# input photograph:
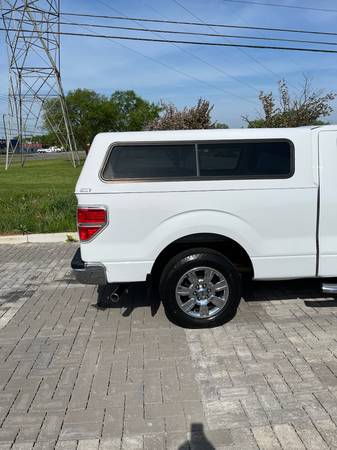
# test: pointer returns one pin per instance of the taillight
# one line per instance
(90, 221)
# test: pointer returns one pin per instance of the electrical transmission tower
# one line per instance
(35, 94)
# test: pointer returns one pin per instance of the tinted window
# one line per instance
(218, 159)
(151, 161)
(265, 159)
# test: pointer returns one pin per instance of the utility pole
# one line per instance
(35, 93)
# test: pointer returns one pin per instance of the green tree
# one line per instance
(306, 108)
(131, 112)
(91, 113)
(46, 140)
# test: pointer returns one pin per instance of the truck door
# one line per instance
(327, 223)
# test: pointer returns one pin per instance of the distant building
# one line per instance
(32, 147)
(29, 147)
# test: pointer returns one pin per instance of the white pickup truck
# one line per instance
(196, 209)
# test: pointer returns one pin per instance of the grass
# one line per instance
(38, 198)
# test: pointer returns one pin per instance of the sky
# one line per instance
(229, 78)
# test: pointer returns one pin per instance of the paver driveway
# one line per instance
(74, 376)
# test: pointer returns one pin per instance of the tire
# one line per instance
(178, 285)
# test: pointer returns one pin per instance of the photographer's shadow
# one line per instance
(198, 440)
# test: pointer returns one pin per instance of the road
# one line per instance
(42, 156)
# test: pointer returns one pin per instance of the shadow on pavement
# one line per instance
(140, 295)
(321, 303)
(198, 439)
(136, 295)
(282, 290)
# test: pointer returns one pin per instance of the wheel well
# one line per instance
(228, 247)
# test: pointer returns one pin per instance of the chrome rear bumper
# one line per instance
(87, 273)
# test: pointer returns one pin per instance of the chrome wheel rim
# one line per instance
(202, 292)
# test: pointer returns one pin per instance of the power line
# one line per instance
(181, 72)
(278, 5)
(296, 65)
(159, 62)
(242, 50)
(188, 52)
(248, 55)
(201, 34)
(200, 59)
(190, 33)
(209, 64)
(175, 41)
(201, 24)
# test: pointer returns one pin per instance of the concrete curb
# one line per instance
(38, 238)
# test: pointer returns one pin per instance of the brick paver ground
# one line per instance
(73, 376)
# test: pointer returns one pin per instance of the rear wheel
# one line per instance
(200, 288)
